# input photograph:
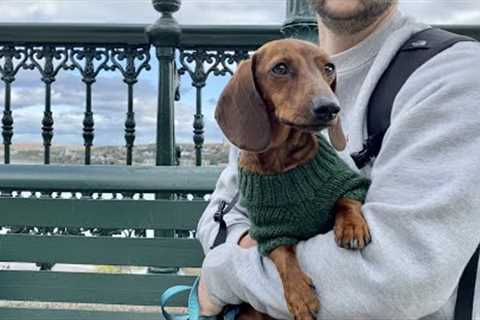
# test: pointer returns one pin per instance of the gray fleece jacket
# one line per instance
(423, 206)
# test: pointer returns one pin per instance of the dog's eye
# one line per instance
(280, 69)
(329, 69)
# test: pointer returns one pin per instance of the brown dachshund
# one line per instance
(271, 109)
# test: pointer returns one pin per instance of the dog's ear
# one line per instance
(335, 131)
(337, 136)
(241, 112)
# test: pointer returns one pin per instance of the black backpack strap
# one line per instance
(466, 289)
(223, 209)
(420, 48)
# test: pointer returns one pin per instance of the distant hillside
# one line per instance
(213, 154)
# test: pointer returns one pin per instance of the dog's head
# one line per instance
(285, 84)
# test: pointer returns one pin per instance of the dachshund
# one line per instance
(271, 110)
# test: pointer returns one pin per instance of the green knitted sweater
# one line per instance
(298, 204)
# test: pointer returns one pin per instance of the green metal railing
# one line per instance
(197, 52)
(126, 49)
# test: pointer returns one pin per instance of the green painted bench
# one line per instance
(46, 210)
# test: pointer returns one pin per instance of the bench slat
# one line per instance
(161, 252)
(136, 214)
(125, 289)
(108, 178)
(39, 314)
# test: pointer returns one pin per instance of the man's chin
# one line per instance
(352, 16)
(342, 10)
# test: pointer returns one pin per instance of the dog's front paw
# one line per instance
(353, 236)
(302, 300)
(351, 229)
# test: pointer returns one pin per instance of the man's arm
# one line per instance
(422, 210)
(237, 219)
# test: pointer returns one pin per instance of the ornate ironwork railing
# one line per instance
(88, 59)
(183, 53)
(194, 52)
(49, 50)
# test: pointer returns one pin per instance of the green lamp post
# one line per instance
(301, 21)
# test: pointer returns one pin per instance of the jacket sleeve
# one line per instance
(237, 219)
(422, 209)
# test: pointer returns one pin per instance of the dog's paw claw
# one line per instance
(352, 236)
(368, 239)
(354, 244)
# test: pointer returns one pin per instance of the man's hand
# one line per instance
(246, 241)
(207, 307)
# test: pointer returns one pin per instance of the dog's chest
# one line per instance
(294, 208)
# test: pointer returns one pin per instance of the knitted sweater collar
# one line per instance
(296, 185)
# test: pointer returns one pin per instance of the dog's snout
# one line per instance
(325, 108)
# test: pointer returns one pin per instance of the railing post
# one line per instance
(165, 35)
(301, 21)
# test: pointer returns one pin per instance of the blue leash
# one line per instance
(167, 296)
(193, 305)
(230, 313)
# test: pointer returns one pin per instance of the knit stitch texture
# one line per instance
(298, 204)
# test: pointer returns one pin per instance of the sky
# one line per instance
(109, 93)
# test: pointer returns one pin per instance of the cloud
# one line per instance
(443, 11)
(43, 9)
(213, 11)
(141, 11)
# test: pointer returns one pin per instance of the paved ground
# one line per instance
(73, 268)
(58, 267)
(78, 306)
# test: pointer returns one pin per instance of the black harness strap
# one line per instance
(420, 48)
(223, 209)
(466, 289)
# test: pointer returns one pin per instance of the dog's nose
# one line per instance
(325, 108)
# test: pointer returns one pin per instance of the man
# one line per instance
(422, 206)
